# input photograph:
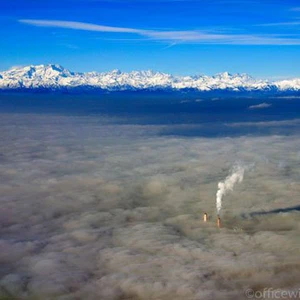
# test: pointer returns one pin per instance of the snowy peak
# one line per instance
(56, 77)
(224, 75)
(36, 69)
(292, 84)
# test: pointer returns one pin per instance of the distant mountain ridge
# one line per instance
(55, 77)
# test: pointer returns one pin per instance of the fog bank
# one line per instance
(90, 210)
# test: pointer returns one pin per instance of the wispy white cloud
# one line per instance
(78, 26)
(170, 46)
(187, 36)
(260, 106)
(292, 23)
(266, 123)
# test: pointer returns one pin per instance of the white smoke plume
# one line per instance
(227, 185)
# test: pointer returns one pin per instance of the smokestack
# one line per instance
(219, 222)
(205, 217)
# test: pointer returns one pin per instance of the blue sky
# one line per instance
(261, 38)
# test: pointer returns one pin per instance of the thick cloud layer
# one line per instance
(91, 210)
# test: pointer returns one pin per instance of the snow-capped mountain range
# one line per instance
(55, 77)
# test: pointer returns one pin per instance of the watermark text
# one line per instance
(271, 293)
